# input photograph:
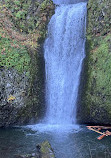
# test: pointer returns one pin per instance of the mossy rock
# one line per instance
(95, 100)
(46, 150)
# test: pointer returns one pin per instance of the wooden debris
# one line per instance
(101, 137)
(98, 129)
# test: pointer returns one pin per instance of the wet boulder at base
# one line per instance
(44, 150)
(95, 100)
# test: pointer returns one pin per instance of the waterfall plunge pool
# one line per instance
(77, 143)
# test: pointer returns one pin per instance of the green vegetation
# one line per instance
(26, 13)
(96, 97)
(101, 66)
(98, 17)
(13, 55)
(99, 72)
(19, 10)
(23, 28)
(44, 4)
(22, 31)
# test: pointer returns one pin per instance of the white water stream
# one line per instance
(64, 53)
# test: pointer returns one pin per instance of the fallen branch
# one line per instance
(98, 129)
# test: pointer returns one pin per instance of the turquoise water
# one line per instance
(77, 143)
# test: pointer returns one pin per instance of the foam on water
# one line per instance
(44, 128)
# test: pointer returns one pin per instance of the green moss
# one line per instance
(97, 97)
(45, 146)
(44, 4)
(100, 70)
(96, 100)
(46, 150)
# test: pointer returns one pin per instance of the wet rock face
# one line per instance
(12, 83)
(95, 104)
(13, 95)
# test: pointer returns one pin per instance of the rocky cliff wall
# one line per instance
(95, 104)
(23, 28)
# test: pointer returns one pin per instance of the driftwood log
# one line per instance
(98, 129)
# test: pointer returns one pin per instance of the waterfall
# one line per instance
(68, 1)
(64, 51)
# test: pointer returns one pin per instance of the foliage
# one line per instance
(44, 4)
(26, 13)
(19, 11)
(22, 30)
(12, 54)
(98, 90)
(29, 17)
(96, 100)
(98, 17)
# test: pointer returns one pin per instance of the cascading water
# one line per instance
(64, 53)
(68, 1)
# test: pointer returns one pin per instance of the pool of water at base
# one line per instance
(77, 142)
